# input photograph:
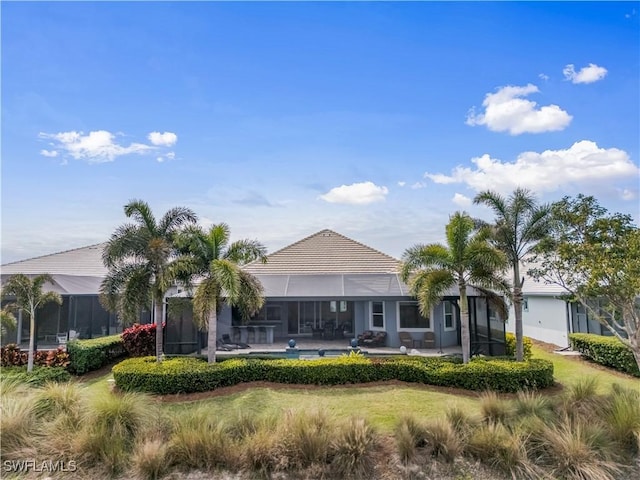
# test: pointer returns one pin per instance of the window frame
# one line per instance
(371, 314)
(454, 324)
(412, 329)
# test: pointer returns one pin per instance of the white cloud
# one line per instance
(418, 185)
(48, 153)
(543, 76)
(362, 193)
(96, 147)
(627, 194)
(402, 184)
(166, 139)
(461, 200)
(583, 162)
(589, 74)
(507, 111)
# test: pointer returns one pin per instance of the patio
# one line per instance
(306, 343)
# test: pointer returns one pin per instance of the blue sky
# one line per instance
(377, 120)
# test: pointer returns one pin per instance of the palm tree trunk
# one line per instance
(213, 335)
(157, 305)
(32, 339)
(464, 323)
(517, 307)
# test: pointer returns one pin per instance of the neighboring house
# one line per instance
(325, 286)
(548, 317)
(77, 275)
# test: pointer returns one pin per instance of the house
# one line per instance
(332, 286)
(77, 275)
(325, 285)
(549, 317)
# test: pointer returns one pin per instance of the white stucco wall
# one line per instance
(546, 320)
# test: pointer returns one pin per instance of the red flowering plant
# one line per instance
(140, 340)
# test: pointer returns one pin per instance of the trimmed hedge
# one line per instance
(87, 355)
(510, 346)
(38, 376)
(188, 374)
(607, 351)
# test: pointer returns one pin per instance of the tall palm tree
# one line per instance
(217, 263)
(466, 260)
(29, 297)
(140, 258)
(520, 224)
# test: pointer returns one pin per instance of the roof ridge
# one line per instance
(362, 244)
(51, 254)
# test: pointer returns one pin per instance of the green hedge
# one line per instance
(188, 374)
(510, 346)
(87, 355)
(607, 351)
(38, 376)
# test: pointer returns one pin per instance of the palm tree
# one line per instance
(30, 297)
(466, 260)
(217, 263)
(520, 224)
(140, 258)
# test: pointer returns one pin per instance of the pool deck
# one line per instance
(313, 344)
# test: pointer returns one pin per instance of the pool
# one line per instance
(308, 353)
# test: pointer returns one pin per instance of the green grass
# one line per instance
(382, 405)
(568, 370)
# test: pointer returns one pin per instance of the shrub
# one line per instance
(607, 351)
(188, 374)
(87, 355)
(17, 425)
(12, 356)
(353, 449)
(38, 376)
(149, 459)
(510, 346)
(140, 340)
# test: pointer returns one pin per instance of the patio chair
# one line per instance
(62, 338)
(406, 339)
(226, 340)
(429, 340)
(379, 339)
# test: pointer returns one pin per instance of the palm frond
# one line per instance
(176, 218)
(423, 256)
(218, 239)
(246, 251)
(429, 286)
(458, 231)
(251, 296)
(227, 276)
(206, 298)
(140, 211)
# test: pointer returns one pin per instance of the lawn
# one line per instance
(383, 405)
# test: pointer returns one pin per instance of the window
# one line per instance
(377, 315)
(525, 304)
(449, 316)
(332, 306)
(273, 313)
(343, 306)
(410, 318)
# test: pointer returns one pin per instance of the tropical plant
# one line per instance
(28, 296)
(140, 257)
(7, 320)
(520, 224)
(467, 260)
(209, 256)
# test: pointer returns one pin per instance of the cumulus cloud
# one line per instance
(591, 73)
(48, 153)
(508, 111)
(166, 139)
(102, 146)
(583, 162)
(402, 184)
(461, 200)
(362, 193)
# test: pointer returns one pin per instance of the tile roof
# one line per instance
(326, 252)
(84, 261)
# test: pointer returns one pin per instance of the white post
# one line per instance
(19, 328)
